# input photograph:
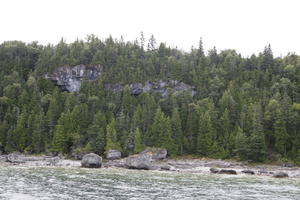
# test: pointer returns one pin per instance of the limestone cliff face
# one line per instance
(69, 79)
(164, 88)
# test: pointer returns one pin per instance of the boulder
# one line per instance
(139, 161)
(3, 158)
(214, 170)
(91, 160)
(227, 171)
(16, 158)
(247, 171)
(287, 165)
(280, 175)
(156, 153)
(113, 154)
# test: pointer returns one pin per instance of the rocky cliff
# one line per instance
(164, 88)
(69, 79)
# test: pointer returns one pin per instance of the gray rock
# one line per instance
(120, 163)
(113, 154)
(91, 160)
(164, 88)
(3, 158)
(247, 171)
(227, 171)
(287, 165)
(280, 175)
(165, 168)
(139, 161)
(69, 78)
(263, 172)
(16, 158)
(214, 170)
(156, 153)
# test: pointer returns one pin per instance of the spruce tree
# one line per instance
(280, 132)
(206, 135)
(111, 137)
(241, 145)
(100, 142)
(177, 130)
(138, 146)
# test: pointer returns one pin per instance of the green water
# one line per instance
(75, 183)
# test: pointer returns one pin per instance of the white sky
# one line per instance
(244, 25)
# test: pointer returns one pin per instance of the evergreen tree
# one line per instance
(111, 137)
(241, 145)
(177, 130)
(100, 142)
(206, 135)
(257, 144)
(38, 135)
(280, 132)
(138, 146)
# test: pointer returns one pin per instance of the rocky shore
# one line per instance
(155, 161)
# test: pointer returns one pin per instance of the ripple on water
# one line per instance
(76, 183)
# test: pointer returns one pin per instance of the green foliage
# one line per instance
(241, 145)
(111, 137)
(243, 107)
(206, 135)
(138, 146)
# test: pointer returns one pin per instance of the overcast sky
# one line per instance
(244, 25)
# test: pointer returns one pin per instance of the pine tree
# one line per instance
(161, 133)
(100, 142)
(111, 137)
(257, 144)
(137, 119)
(241, 145)
(206, 135)
(155, 128)
(63, 137)
(20, 134)
(59, 139)
(138, 146)
(177, 130)
(225, 128)
(38, 135)
(280, 132)
(165, 137)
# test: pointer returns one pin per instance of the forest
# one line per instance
(245, 108)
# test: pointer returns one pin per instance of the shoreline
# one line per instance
(181, 165)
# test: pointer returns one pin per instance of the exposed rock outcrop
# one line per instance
(113, 154)
(70, 78)
(164, 88)
(91, 160)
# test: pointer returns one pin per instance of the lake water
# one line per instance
(27, 183)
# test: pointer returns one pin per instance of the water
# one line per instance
(26, 183)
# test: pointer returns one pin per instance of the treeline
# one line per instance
(245, 108)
